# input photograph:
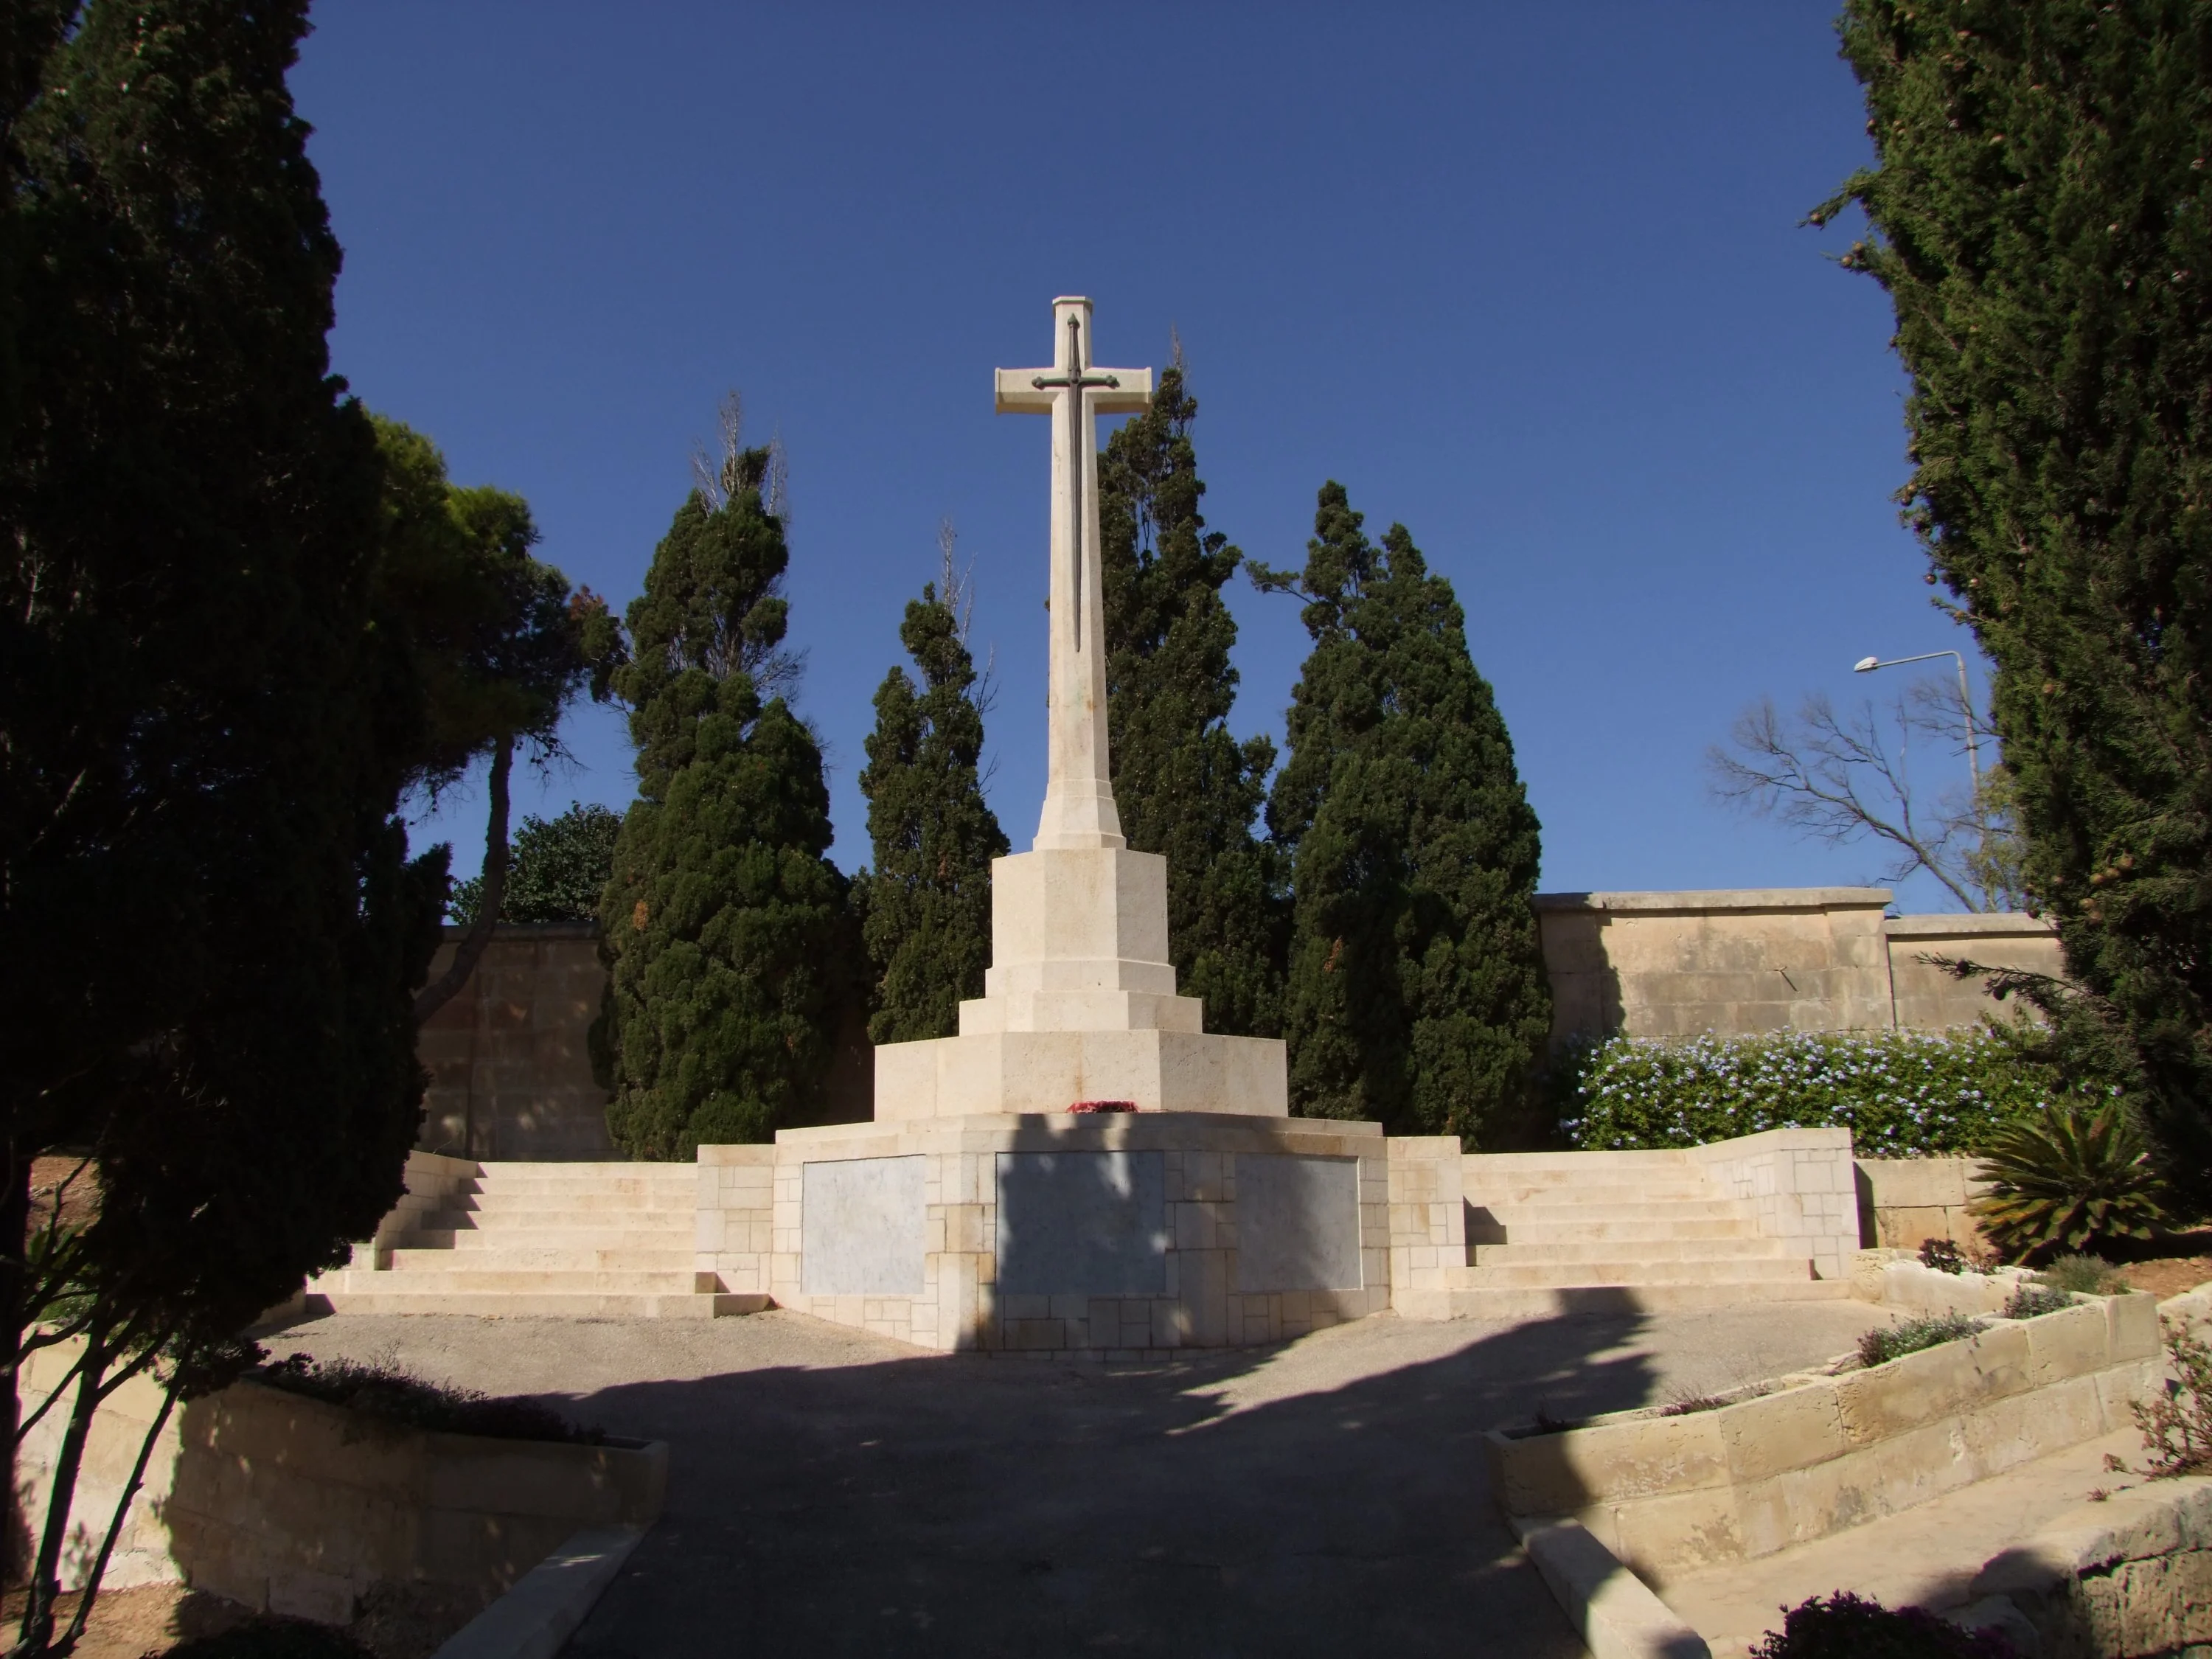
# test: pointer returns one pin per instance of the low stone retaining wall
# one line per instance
(2127, 1579)
(286, 1503)
(1819, 1453)
(1897, 1281)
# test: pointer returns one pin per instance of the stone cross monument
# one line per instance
(1079, 1002)
(1078, 799)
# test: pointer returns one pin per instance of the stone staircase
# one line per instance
(1558, 1232)
(559, 1240)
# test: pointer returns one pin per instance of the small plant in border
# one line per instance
(2084, 1275)
(1847, 1626)
(2063, 1179)
(2031, 1301)
(1887, 1342)
(2177, 1424)
(1943, 1255)
(385, 1391)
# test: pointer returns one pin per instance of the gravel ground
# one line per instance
(834, 1493)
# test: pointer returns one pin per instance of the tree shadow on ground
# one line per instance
(977, 1506)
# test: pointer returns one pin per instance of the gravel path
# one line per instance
(834, 1493)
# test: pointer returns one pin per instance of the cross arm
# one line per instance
(1132, 397)
(1016, 394)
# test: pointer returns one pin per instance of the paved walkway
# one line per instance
(833, 1493)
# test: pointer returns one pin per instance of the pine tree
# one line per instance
(927, 901)
(561, 869)
(1416, 992)
(1185, 786)
(725, 927)
(2042, 212)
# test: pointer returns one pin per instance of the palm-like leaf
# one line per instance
(2066, 1178)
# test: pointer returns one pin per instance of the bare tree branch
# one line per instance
(1837, 778)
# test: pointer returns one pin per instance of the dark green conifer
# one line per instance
(209, 924)
(725, 926)
(928, 901)
(1416, 993)
(2042, 210)
(1185, 786)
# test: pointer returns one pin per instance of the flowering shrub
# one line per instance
(1901, 1094)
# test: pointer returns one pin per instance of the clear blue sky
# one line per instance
(1529, 279)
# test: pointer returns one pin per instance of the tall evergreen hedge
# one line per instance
(1417, 993)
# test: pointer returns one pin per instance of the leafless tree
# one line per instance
(1845, 777)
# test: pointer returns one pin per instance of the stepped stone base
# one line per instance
(1048, 1071)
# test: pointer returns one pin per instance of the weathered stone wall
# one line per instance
(509, 1062)
(1740, 962)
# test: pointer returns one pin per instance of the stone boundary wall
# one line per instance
(509, 1056)
(1738, 962)
(290, 1505)
(1820, 1452)
(510, 1064)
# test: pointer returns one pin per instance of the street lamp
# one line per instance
(1868, 665)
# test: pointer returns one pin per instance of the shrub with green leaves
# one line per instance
(1901, 1094)
(2068, 1176)
(1848, 1626)
(396, 1397)
(2033, 1301)
(1888, 1342)
(2082, 1275)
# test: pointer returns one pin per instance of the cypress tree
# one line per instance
(1416, 992)
(1186, 787)
(724, 926)
(2042, 217)
(926, 904)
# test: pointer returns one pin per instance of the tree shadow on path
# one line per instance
(975, 1506)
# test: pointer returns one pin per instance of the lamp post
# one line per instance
(1868, 665)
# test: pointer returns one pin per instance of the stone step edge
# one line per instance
(543, 1304)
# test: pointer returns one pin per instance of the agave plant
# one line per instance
(2073, 1175)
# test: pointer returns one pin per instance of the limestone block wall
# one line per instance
(1802, 1185)
(1905, 1200)
(1926, 998)
(509, 1064)
(297, 1507)
(1740, 962)
(1428, 1217)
